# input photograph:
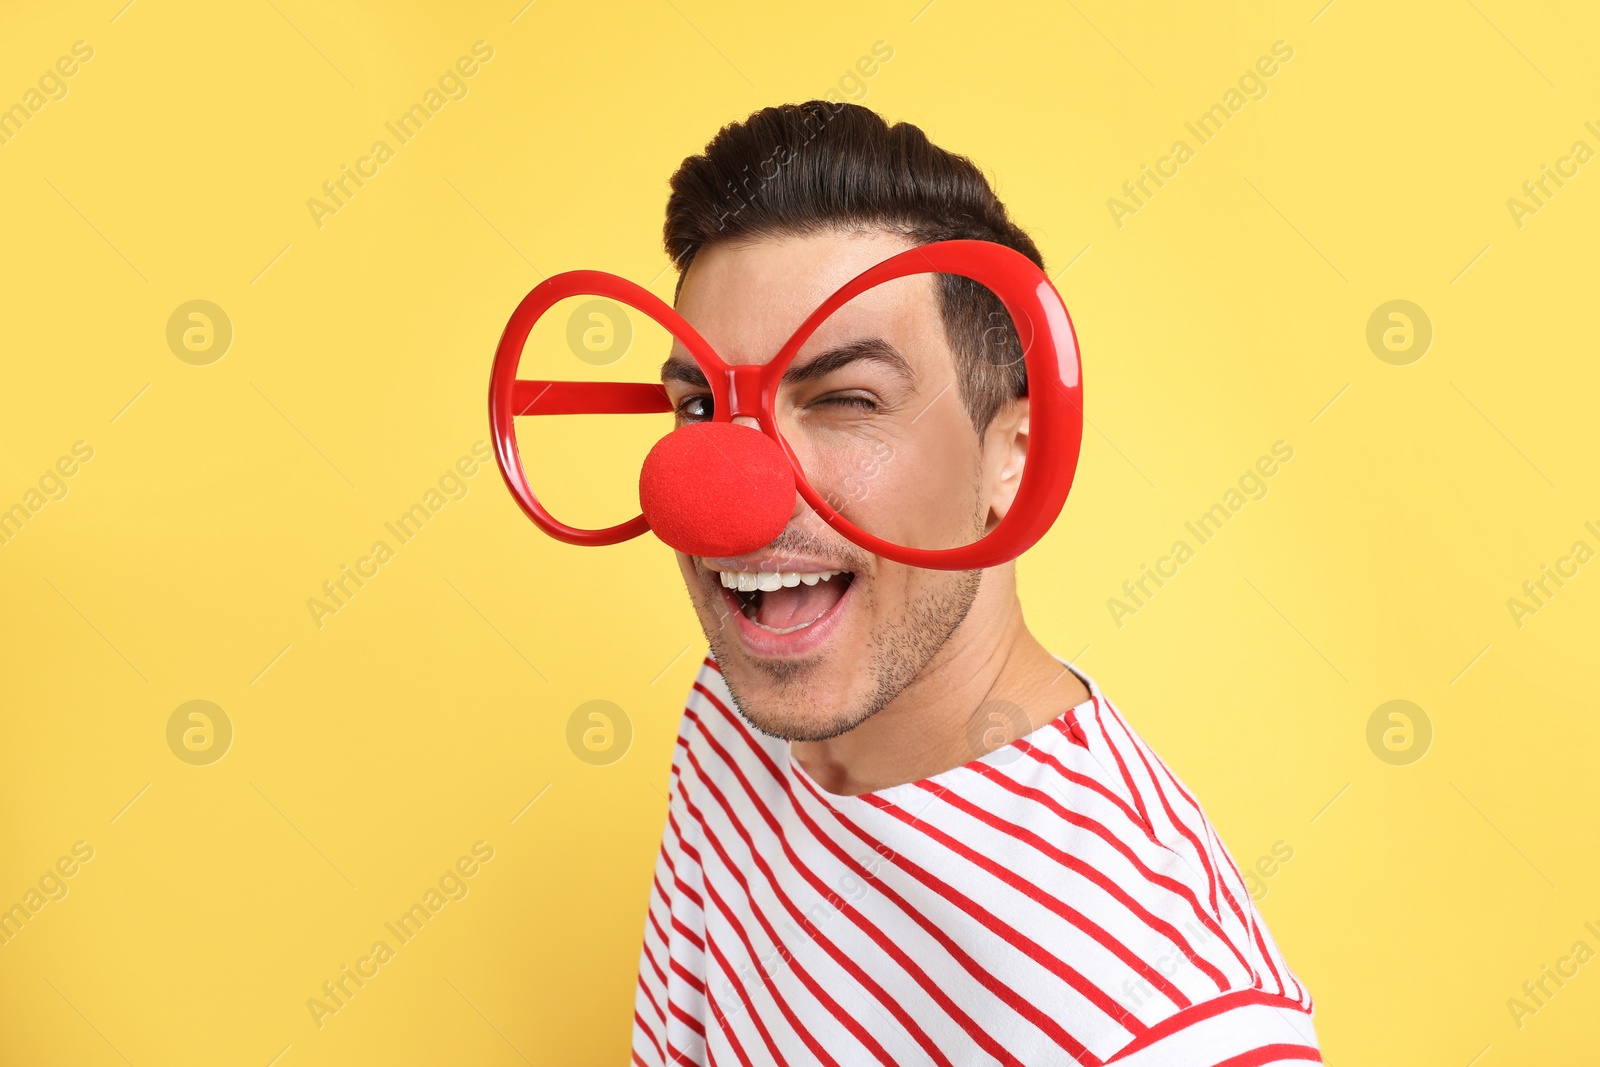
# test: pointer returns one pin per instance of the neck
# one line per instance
(991, 683)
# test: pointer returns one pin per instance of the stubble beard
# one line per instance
(801, 707)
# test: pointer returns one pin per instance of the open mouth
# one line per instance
(784, 602)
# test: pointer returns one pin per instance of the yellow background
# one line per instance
(369, 754)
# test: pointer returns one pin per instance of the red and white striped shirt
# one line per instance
(1061, 900)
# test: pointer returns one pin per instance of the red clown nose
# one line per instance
(717, 489)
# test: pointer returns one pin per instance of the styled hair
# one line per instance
(801, 169)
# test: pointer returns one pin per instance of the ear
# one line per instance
(1005, 455)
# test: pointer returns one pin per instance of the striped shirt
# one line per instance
(1062, 899)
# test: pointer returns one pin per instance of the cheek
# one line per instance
(693, 582)
(919, 490)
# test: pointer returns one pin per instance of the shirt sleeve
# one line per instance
(1250, 1028)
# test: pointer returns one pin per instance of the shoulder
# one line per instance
(1255, 993)
(1155, 800)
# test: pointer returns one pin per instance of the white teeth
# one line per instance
(766, 581)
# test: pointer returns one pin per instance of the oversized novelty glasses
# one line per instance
(874, 436)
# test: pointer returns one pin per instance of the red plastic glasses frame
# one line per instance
(1050, 352)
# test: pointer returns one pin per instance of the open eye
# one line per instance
(697, 407)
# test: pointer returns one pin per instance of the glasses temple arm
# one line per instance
(529, 397)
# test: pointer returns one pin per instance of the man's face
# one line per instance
(883, 435)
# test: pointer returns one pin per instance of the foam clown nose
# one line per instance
(717, 489)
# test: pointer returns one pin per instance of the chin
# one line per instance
(801, 636)
(792, 699)
(790, 712)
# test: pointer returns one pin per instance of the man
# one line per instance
(900, 830)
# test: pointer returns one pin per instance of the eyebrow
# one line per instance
(683, 369)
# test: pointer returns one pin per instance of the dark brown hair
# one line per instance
(800, 169)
